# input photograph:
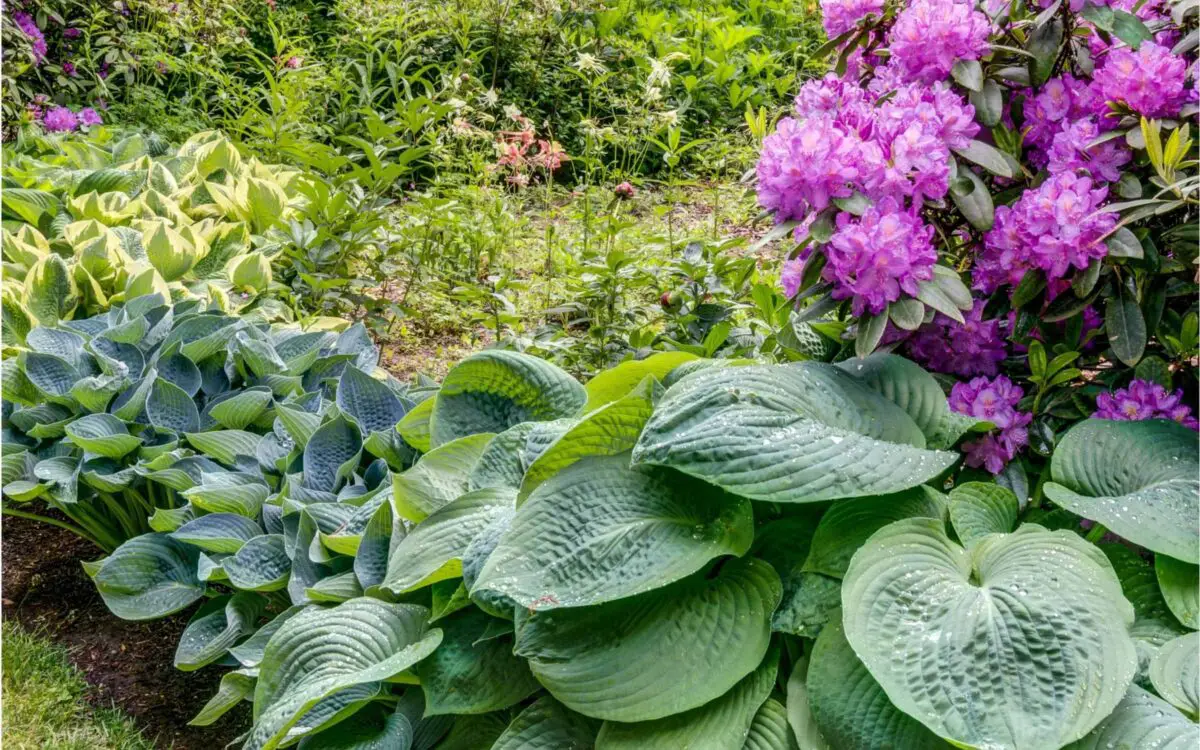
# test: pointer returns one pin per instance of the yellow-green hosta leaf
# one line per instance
(1139, 479)
(167, 250)
(217, 155)
(250, 273)
(265, 201)
(439, 477)
(109, 209)
(599, 531)
(618, 382)
(414, 427)
(146, 281)
(658, 653)
(102, 434)
(149, 577)
(1019, 641)
(225, 445)
(236, 686)
(50, 291)
(1141, 720)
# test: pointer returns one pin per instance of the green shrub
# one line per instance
(644, 562)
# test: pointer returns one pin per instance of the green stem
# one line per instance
(1097, 533)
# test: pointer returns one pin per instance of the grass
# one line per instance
(45, 702)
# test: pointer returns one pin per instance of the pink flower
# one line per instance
(293, 62)
(1150, 81)
(791, 275)
(30, 29)
(973, 347)
(89, 116)
(1069, 152)
(1145, 400)
(993, 401)
(930, 35)
(60, 119)
(625, 190)
(69, 68)
(842, 15)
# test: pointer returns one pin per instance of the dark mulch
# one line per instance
(130, 664)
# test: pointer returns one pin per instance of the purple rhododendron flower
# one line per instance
(1055, 227)
(60, 119)
(1069, 152)
(930, 35)
(69, 68)
(840, 16)
(875, 258)
(973, 347)
(30, 29)
(1145, 400)
(1150, 81)
(790, 275)
(1059, 100)
(89, 116)
(994, 401)
(72, 33)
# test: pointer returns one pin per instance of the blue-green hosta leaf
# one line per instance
(52, 375)
(167, 520)
(169, 407)
(810, 600)
(225, 445)
(364, 731)
(380, 537)
(331, 454)
(769, 730)
(356, 342)
(548, 725)
(659, 653)
(218, 532)
(368, 402)
(215, 627)
(229, 492)
(468, 676)
(1153, 623)
(236, 686)
(1180, 585)
(183, 372)
(131, 402)
(149, 577)
(336, 588)
(1175, 673)
(1140, 479)
(261, 564)
(607, 431)
(1020, 641)
(374, 641)
(241, 410)
(433, 550)
(493, 390)
(102, 434)
(94, 393)
(28, 418)
(1141, 720)
(722, 724)
(180, 473)
(981, 508)
(799, 711)
(440, 476)
(501, 464)
(848, 706)
(249, 653)
(617, 382)
(599, 531)
(802, 432)
(298, 423)
(107, 475)
(59, 342)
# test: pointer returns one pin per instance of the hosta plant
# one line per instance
(93, 221)
(150, 415)
(683, 553)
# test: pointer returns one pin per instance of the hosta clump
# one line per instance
(647, 562)
(93, 221)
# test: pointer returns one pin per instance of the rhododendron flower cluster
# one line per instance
(1071, 150)
(992, 400)
(839, 16)
(63, 120)
(973, 347)
(1055, 227)
(1145, 400)
(1150, 80)
(930, 35)
(29, 28)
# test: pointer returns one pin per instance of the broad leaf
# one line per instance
(440, 476)
(1141, 720)
(1175, 673)
(1180, 585)
(149, 577)
(981, 508)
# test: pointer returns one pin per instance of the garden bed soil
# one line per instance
(130, 664)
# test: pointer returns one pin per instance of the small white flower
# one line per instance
(512, 112)
(660, 74)
(670, 117)
(490, 98)
(589, 63)
(456, 103)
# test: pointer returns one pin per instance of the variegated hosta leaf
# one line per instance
(324, 658)
(149, 577)
(439, 477)
(1140, 479)
(548, 725)
(1020, 641)
(493, 390)
(1175, 673)
(598, 531)
(1141, 720)
(659, 653)
(802, 432)
(215, 627)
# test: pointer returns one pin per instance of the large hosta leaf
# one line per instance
(331, 660)
(802, 432)
(1180, 584)
(261, 564)
(616, 383)
(1175, 673)
(659, 653)
(215, 627)
(149, 577)
(331, 454)
(769, 730)
(846, 526)
(364, 731)
(368, 401)
(1140, 479)
(548, 725)
(493, 390)
(1140, 721)
(440, 476)
(433, 551)
(721, 724)
(599, 530)
(470, 673)
(102, 434)
(1020, 641)
(981, 508)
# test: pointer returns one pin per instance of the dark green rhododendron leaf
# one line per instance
(363, 731)
(493, 390)
(599, 531)
(433, 550)
(794, 433)
(373, 641)
(236, 686)
(616, 383)
(849, 708)
(1140, 479)
(548, 725)
(846, 526)
(149, 577)
(331, 454)
(368, 401)
(467, 675)
(102, 434)
(769, 730)
(721, 723)
(611, 429)
(1019, 641)
(215, 627)
(1141, 720)
(981, 508)
(218, 532)
(169, 407)
(1175, 673)
(261, 564)
(1180, 584)
(440, 476)
(659, 653)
